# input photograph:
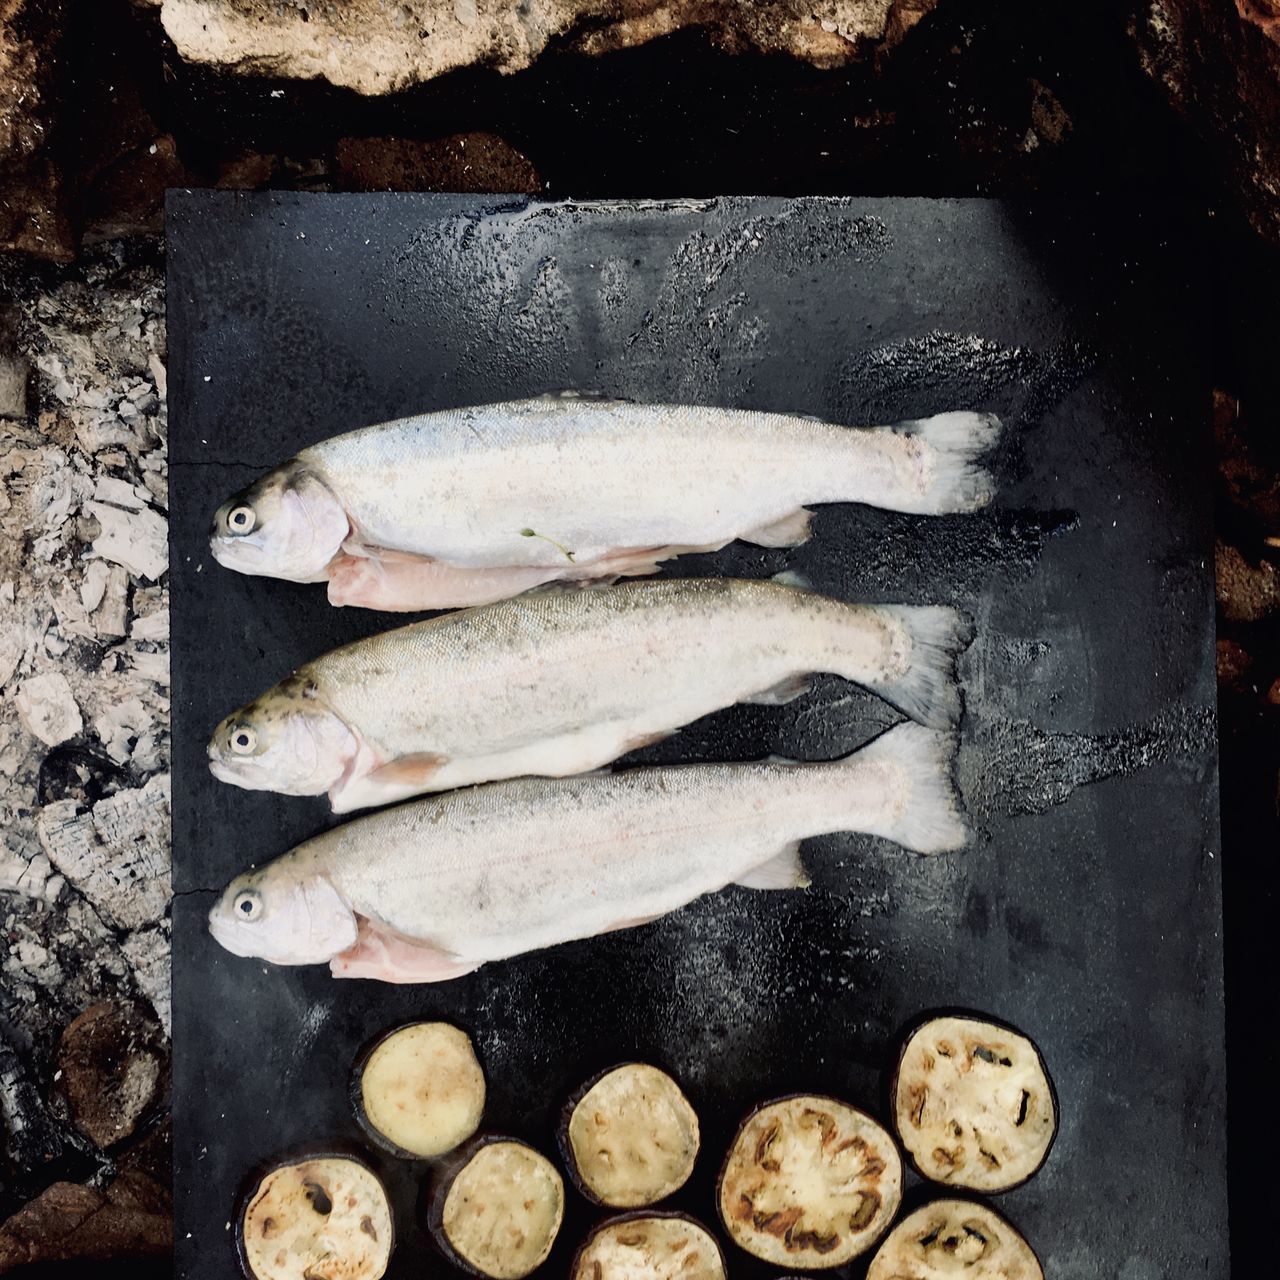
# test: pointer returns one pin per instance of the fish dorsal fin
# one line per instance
(790, 578)
(784, 691)
(584, 395)
(783, 871)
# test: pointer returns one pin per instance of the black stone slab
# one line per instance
(1087, 910)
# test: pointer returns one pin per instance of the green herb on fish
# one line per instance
(564, 551)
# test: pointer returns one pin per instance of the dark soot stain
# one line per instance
(1012, 767)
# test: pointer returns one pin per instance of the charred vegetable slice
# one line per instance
(658, 1246)
(419, 1089)
(809, 1182)
(630, 1139)
(497, 1208)
(973, 1104)
(325, 1218)
(951, 1238)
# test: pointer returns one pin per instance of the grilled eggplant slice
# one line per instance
(950, 1238)
(629, 1137)
(973, 1104)
(650, 1246)
(316, 1218)
(809, 1182)
(496, 1208)
(418, 1090)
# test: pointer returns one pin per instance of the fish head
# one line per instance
(288, 741)
(287, 525)
(285, 912)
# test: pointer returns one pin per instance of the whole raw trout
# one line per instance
(467, 506)
(437, 887)
(562, 681)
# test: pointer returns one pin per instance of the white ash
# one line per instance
(47, 708)
(116, 854)
(84, 634)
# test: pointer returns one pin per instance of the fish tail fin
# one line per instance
(955, 441)
(925, 688)
(921, 805)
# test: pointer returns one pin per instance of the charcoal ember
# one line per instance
(69, 1221)
(111, 1070)
(79, 774)
(33, 1139)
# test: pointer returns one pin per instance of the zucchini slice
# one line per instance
(650, 1246)
(973, 1104)
(809, 1182)
(629, 1137)
(418, 1090)
(496, 1208)
(951, 1238)
(318, 1218)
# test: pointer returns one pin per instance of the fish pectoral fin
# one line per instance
(642, 740)
(399, 779)
(632, 922)
(790, 531)
(399, 582)
(407, 771)
(783, 871)
(636, 562)
(784, 691)
(385, 956)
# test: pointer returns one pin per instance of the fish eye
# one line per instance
(248, 905)
(240, 520)
(243, 740)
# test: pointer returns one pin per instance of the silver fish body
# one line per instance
(564, 681)
(467, 505)
(437, 887)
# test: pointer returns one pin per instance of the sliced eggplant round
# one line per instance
(418, 1090)
(630, 1137)
(496, 1208)
(809, 1182)
(973, 1104)
(950, 1238)
(317, 1218)
(650, 1246)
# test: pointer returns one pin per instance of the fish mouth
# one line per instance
(224, 773)
(227, 935)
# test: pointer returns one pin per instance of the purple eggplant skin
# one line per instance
(619, 1218)
(890, 1090)
(340, 1149)
(791, 1097)
(565, 1147)
(443, 1175)
(355, 1081)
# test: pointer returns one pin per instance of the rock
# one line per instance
(1246, 592)
(117, 854)
(48, 709)
(34, 216)
(373, 48)
(1251, 484)
(110, 1071)
(138, 540)
(127, 196)
(67, 1221)
(479, 162)
(1219, 65)
(1235, 664)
